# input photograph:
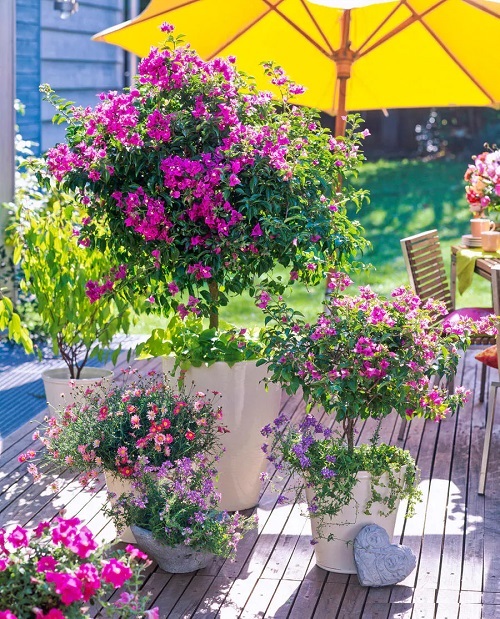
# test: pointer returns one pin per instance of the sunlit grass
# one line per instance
(407, 197)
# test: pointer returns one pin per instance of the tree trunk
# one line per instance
(214, 312)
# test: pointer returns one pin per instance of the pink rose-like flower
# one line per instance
(46, 564)
(3, 564)
(67, 586)
(18, 537)
(54, 613)
(7, 614)
(135, 553)
(116, 573)
(153, 613)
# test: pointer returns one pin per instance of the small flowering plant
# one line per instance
(198, 183)
(482, 179)
(178, 502)
(366, 355)
(58, 571)
(322, 461)
(144, 420)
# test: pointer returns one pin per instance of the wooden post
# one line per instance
(7, 133)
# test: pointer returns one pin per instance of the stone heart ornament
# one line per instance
(378, 562)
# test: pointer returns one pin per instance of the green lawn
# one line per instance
(407, 197)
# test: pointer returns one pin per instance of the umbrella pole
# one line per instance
(343, 57)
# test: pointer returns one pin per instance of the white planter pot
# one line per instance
(337, 555)
(247, 407)
(61, 390)
(119, 486)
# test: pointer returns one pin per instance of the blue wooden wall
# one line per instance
(61, 53)
(28, 67)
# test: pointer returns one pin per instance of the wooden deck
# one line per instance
(455, 536)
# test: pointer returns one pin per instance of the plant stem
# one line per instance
(214, 312)
(348, 427)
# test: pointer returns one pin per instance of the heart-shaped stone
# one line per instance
(380, 563)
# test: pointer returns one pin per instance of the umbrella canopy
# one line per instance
(411, 53)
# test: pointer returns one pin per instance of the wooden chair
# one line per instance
(427, 275)
(495, 384)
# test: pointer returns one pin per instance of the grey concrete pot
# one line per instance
(174, 559)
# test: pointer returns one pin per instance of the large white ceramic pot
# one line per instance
(337, 555)
(117, 486)
(61, 390)
(178, 559)
(247, 406)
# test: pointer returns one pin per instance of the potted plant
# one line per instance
(364, 357)
(59, 570)
(199, 184)
(175, 516)
(482, 179)
(143, 420)
(56, 265)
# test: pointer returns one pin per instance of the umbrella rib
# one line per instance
(242, 32)
(402, 26)
(318, 27)
(454, 58)
(485, 9)
(299, 30)
(381, 25)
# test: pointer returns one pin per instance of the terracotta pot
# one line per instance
(246, 407)
(61, 390)
(178, 559)
(337, 555)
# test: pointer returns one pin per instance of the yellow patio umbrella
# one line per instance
(357, 56)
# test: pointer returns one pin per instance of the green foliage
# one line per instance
(10, 320)
(193, 344)
(56, 267)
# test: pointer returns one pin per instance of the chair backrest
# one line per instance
(495, 293)
(425, 267)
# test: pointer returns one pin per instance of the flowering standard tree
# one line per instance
(364, 357)
(198, 183)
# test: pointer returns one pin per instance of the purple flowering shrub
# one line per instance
(59, 571)
(363, 357)
(366, 355)
(144, 420)
(198, 183)
(178, 503)
(320, 458)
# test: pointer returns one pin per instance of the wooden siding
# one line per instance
(28, 68)
(76, 67)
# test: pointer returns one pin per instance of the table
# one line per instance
(486, 267)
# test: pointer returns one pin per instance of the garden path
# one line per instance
(455, 534)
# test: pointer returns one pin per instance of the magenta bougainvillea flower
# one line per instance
(199, 183)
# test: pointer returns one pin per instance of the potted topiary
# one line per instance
(364, 357)
(56, 265)
(199, 184)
